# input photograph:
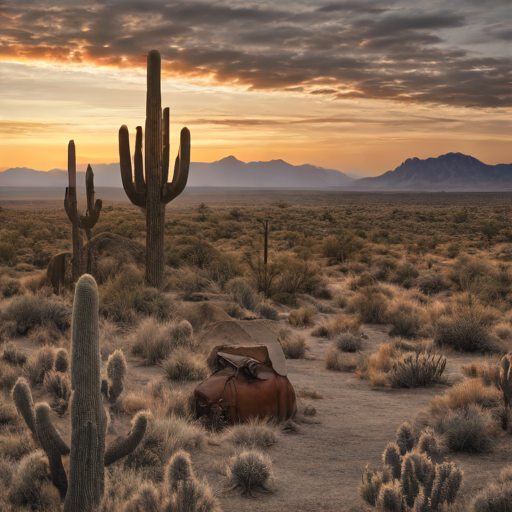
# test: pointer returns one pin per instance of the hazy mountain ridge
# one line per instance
(453, 171)
(228, 172)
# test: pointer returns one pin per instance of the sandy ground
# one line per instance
(319, 468)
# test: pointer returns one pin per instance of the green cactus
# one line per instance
(22, 398)
(390, 498)
(88, 418)
(54, 447)
(116, 371)
(62, 360)
(179, 469)
(405, 438)
(391, 458)
(123, 446)
(154, 192)
(80, 221)
(409, 483)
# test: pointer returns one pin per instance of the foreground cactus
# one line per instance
(150, 189)
(88, 418)
(79, 221)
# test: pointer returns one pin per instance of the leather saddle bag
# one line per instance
(245, 385)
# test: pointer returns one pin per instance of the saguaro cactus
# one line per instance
(88, 419)
(80, 221)
(149, 188)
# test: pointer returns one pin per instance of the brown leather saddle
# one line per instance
(245, 385)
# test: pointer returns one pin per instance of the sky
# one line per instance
(358, 86)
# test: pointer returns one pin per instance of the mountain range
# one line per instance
(453, 171)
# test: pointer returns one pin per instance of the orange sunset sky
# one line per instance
(357, 86)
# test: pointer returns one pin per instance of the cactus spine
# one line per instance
(150, 189)
(79, 221)
(88, 419)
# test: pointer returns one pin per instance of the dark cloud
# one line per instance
(343, 50)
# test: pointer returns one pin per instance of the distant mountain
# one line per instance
(228, 172)
(453, 171)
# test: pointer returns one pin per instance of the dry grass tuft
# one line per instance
(254, 434)
(312, 394)
(371, 305)
(12, 355)
(347, 342)
(185, 365)
(338, 325)
(341, 362)
(294, 347)
(251, 471)
(40, 364)
(303, 317)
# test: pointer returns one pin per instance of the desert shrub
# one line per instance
(465, 394)
(298, 276)
(267, 311)
(371, 305)
(39, 365)
(234, 310)
(256, 433)
(182, 364)
(9, 287)
(495, 497)
(405, 274)
(340, 324)
(7, 253)
(406, 318)
(347, 342)
(125, 296)
(43, 335)
(465, 333)
(503, 331)
(12, 355)
(8, 413)
(58, 385)
(312, 394)
(30, 311)
(294, 347)
(8, 375)
(467, 430)
(31, 484)
(190, 251)
(164, 437)
(190, 280)
(340, 362)
(484, 370)
(121, 484)
(152, 341)
(431, 283)
(251, 471)
(243, 293)
(303, 317)
(158, 397)
(415, 370)
(339, 248)
(364, 280)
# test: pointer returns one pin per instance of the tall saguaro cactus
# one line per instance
(88, 418)
(149, 188)
(80, 221)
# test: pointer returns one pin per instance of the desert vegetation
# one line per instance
(398, 302)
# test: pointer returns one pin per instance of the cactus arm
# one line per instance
(140, 183)
(179, 181)
(89, 188)
(22, 398)
(54, 447)
(88, 221)
(126, 169)
(123, 446)
(165, 154)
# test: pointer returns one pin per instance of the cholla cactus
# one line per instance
(116, 371)
(179, 469)
(405, 438)
(409, 482)
(390, 498)
(153, 193)
(505, 379)
(391, 458)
